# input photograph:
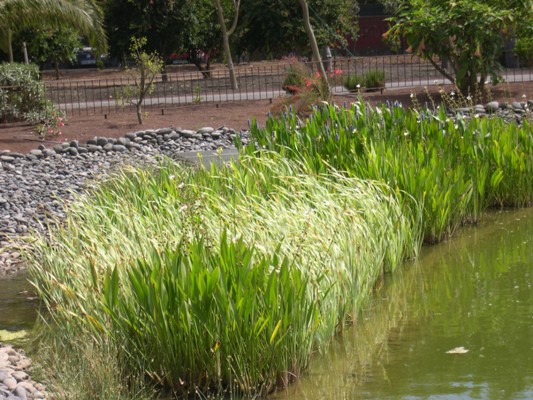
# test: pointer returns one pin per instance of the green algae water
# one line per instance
(18, 305)
(472, 295)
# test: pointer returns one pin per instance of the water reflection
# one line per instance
(473, 291)
(18, 305)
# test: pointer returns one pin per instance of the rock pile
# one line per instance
(34, 186)
(15, 383)
(516, 111)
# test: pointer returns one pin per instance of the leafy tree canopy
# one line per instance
(50, 45)
(275, 28)
(469, 34)
(82, 15)
(170, 26)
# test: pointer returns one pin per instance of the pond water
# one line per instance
(474, 291)
(18, 306)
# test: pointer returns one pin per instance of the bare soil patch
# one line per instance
(19, 137)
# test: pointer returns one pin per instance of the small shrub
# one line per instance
(374, 79)
(296, 76)
(47, 122)
(22, 94)
(353, 82)
(524, 50)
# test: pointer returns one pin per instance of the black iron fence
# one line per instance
(254, 83)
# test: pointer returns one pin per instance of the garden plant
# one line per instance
(454, 167)
(221, 279)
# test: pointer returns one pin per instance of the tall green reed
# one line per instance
(453, 167)
(220, 279)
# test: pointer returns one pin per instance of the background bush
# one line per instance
(524, 50)
(372, 79)
(22, 94)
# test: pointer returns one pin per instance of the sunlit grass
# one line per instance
(221, 279)
(454, 167)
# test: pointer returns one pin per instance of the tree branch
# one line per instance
(237, 4)
(441, 70)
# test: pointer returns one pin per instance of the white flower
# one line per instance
(358, 86)
(183, 207)
(406, 133)
(452, 93)
(524, 96)
(171, 177)
(468, 98)
(412, 95)
(181, 185)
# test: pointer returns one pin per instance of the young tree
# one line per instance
(226, 33)
(81, 15)
(468, 34)
(314, 46)
(148, 65)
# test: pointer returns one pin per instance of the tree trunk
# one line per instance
(314, 45)
(138, 109)
(10, 45)
(56, 66)
(225, 42)
(206, 73)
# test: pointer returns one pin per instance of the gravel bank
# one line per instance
(34, 186)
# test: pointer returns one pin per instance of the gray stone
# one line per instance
(492, 107)
(37, 153)
(16, 155)
(206, 129)
(101, 141)
(133, 145)
(131, 135)
(108, 147)
(92, 141)
(119, 147)
(10, 383)
(164, 131)
(73, 151)
(8, 159)
(122, 141)
(20, 392)
(188, 133)
(20, 375)
(74, 143)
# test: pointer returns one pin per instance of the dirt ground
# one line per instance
(19, 137)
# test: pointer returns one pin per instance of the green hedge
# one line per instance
(22, 94)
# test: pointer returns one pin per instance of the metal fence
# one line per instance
(255, 83)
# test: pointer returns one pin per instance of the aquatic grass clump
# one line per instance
(453, 167)
(220, 279)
